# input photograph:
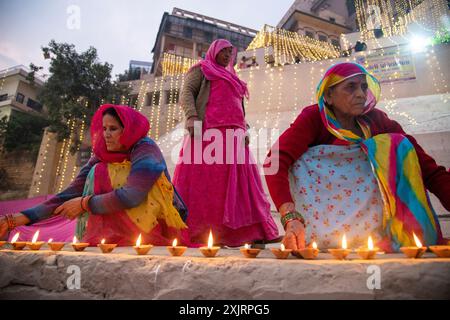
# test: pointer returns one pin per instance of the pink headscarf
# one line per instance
(136, 127)
(214, 71)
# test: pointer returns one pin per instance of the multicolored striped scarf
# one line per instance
(407, 208)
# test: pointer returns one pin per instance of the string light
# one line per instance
(288, 45)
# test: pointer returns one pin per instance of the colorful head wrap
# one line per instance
(337, 74)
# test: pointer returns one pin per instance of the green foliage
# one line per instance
(442, 36)
(129, 75)
(22, 131)
(77, 85)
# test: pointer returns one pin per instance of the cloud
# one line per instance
(10, 54)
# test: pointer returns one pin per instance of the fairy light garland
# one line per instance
(66, 155)
(287, 45)
(44, 163)
(153, 106)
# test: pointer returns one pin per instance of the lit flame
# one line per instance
(138, 241)
(370, 243)
(210, 240)
(103, 241)
(247, 246)
(36, 235)
(16, 236)
(282, 247)
(50, 240)
(74, 239)
(314, 245)
(344, 242)
(418, 243)
(175, 242)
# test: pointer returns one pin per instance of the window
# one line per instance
(323, 38)
(174, 94)
(309, 34)
(134, 100)
(171, 47)
(332, 19)
(184, 52)
(20, 97)
(34, 105)
(335, 43)
(3, 97)
(153, 98)
(187, 32)
(208, 36)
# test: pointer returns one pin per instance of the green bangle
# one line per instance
(292, 215)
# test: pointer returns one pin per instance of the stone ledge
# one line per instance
(124, 275)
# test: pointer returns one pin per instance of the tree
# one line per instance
(129, 75)
(12, 132)
(77, 86)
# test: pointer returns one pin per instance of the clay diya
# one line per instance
(17, 245)
(106, 247)
(369, 252)
(210, 251)
(414, 252)
(250, 252)
(441, 251)
(281, 253)
(142, 249)
(309, 253)
(34, 244)
(55, 246)
(175, 250)
(79, 246)
(342, 253)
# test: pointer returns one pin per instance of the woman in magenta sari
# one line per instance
(124, 190)
(216, 174)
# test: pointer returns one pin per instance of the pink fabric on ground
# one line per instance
(227, 198)
(13, 206)
(57, 228)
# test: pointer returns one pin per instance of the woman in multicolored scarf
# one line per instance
(346, 168)
(216, 174)
(124, 190)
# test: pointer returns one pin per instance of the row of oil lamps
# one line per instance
(308, 253)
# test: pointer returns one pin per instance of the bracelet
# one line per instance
(11, 221)
(84, 203)
(81, 204)
(292, 215)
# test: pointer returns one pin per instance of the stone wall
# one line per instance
(124, 275)
(19, 167)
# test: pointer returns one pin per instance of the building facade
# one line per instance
(17, 93)
(323, 20)
(189, 34)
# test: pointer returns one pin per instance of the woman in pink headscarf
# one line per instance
(216, 174)
(122, 192)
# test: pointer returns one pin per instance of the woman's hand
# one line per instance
(20, 220)
(190, 125)
(295, 235)
(70, 209)
(295, 230)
